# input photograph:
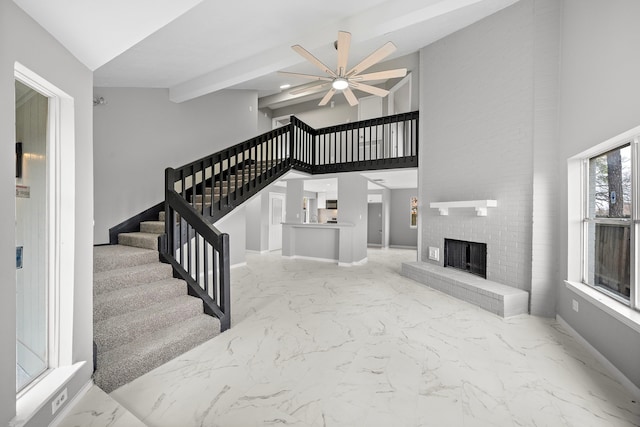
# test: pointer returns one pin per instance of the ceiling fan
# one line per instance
(343, 79)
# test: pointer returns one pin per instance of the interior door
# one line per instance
(276, 218)
(31, 235)
(374, 224)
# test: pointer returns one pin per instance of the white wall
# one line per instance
(22, 40)
(140, 132)
(599, 87)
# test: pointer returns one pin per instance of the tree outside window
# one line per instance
(608, 225)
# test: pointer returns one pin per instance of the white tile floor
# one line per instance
(313, 344)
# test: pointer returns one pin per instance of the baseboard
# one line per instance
(251, 251)
(363, 261)
(72, 403)
(240, 264)
(615, 372)
(403, 247)
(309, 258)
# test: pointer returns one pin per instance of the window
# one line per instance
(610, 222)
(413, 218)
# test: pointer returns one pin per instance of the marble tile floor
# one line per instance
(314, 344)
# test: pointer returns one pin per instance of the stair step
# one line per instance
(111, 257)
(111, 280)
(161, 216)
(139, 240)
(155, 227)
(207, 198)
(130, 361)
(118, 302)
(119, 330)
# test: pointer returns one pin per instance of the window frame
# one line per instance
(633, 222)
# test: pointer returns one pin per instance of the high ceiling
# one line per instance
(195, 47)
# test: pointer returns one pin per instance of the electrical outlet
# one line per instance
(434, 253)
(575, 305)
(60, 400)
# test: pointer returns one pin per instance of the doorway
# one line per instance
(276, 218)
(374, 224)
(32, 235)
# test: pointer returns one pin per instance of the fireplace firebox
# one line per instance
(466, 256)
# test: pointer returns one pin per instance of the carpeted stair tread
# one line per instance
(161, 216)
(155, 227)
(121, 301)
(111, 280)
(110, 257)
(118, 330)
(125, 363)
(139, 239)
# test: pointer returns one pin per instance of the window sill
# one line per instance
(29, 403)
(621, 312)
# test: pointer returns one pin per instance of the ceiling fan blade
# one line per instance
(344, 43)
(370, 89)
(304, 76)
(381, 75)
(327, 97)
(315, 61)
(351, 98)
(306, 89)
(387, 49)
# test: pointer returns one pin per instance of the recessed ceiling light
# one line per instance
(285, 86)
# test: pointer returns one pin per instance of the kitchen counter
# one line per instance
(321, 242)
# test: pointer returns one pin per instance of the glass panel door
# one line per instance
(31, 235)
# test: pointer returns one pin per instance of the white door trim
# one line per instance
(61, 214)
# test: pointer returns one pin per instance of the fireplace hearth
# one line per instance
(466, 256)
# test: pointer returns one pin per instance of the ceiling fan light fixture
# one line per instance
(340, 84)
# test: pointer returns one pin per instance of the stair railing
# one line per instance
(198, 253)
(201, 192)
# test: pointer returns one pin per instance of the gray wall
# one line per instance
(352, 208)
(253, 210)
(140, 132)
(400, 233)
(477, 132)
(599, 87)
(319, 117)
(23, 40)
(235, 225)
(264, 120)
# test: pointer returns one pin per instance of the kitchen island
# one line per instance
(321, 242)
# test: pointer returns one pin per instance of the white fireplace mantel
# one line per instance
(479, 205)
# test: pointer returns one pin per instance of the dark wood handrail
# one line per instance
(201, 192)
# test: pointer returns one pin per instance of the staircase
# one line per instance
(143, 317)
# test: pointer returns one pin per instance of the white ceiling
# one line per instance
(195, 47)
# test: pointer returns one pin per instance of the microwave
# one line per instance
(332, 204)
